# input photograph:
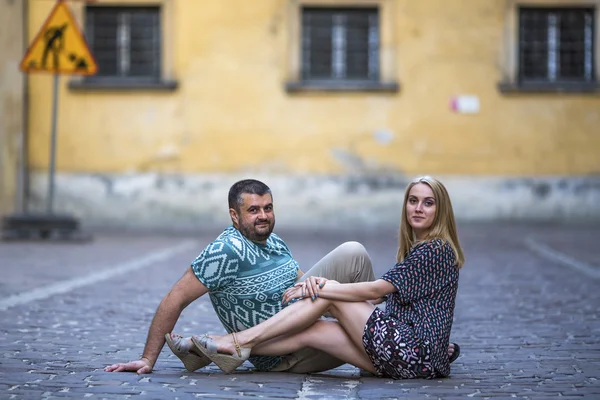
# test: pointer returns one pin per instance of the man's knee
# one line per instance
(353, 249)
(353, 263)
(347, 263)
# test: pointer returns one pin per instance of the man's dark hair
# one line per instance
(250, 186)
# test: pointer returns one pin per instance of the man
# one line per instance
(250, 267)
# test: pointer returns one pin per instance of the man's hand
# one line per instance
(140, 366)
(292, 293)
(307, 288)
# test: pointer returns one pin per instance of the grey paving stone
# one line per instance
(528, 328)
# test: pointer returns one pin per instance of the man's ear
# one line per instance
(234, 217)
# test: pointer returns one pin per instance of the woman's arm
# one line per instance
(360, 291)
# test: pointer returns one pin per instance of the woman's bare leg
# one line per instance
(352, 317)
(291, 319)
(282, 333)
(327, 336)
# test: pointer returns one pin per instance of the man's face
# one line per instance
(255, 219)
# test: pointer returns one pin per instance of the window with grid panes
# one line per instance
(125, 41)
(340, 44)
(556, 45)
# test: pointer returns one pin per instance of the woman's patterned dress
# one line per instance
(410, 338)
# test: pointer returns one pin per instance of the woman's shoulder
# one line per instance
(435, 244)
(432, 248)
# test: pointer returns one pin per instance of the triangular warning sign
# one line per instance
(59, 47)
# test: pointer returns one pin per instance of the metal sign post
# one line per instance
(58, 48)
(52, 167)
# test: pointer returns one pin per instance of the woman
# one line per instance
(408, 340)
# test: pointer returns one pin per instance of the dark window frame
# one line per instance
(349, 50)
(551, 46)
(128, 30)
(555, 49)
(348, 44)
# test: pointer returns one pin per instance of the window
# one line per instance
(556, 45)
(551, 46)
(126, 41)
(340, 44)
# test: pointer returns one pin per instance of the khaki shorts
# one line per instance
(347, 263)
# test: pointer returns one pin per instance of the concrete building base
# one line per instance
(190, 202)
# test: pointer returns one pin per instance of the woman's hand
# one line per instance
(312, 285)
(307, 288)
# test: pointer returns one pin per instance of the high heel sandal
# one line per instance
(456, 353)
(226, 362)
(191, 361)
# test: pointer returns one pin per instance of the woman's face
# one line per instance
(420, 208)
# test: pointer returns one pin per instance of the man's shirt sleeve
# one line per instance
(217, 266)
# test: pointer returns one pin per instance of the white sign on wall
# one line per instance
(465, 104)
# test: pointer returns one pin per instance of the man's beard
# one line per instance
(255, 234)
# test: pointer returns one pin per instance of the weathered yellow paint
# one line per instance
(231, 111)
(11, 101)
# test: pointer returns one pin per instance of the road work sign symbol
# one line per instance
(59, 47)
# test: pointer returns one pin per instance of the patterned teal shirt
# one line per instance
(246, 281)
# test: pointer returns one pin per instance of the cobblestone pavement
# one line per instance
(527, 319)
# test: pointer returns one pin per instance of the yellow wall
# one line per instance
(11, 101)
(231, 111)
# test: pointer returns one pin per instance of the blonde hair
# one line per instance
(443, 225)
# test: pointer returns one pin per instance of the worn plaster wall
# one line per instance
(193, 202)
(231, 111)
(11, 100)
(231, 116)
